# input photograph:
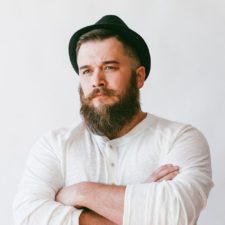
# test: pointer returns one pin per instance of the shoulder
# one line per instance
(171, 128)
(56, 141)
(171, 132)
(65, 134)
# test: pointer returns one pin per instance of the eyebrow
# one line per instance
(104, 63)
(111, 62)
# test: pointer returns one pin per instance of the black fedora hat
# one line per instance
(114, 23)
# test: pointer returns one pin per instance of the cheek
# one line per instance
(86, 88)
(119, 85)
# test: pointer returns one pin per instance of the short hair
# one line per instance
(102, 34)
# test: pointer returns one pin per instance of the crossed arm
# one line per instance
(104, 204)
(154, 202)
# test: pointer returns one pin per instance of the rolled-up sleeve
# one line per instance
(176, 202)
(35, 202)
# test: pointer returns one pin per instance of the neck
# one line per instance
(136, 120)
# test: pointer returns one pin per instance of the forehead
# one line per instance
(99, 50)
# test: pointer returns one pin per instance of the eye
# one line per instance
(85, 72)
(109, 68)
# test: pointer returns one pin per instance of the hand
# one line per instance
(105, 200)
(71, 195)
(165, 172)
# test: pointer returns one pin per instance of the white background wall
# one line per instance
(38, 87)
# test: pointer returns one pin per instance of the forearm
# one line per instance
(105, 200)
(88, 217)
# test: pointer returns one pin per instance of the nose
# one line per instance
(98, 79)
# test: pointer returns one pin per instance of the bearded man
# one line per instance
(120, 165)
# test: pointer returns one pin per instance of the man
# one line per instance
(121, 165)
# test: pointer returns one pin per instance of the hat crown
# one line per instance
(111, 19)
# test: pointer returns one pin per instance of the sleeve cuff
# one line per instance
(76, 216)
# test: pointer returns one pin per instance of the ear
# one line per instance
(140, 79)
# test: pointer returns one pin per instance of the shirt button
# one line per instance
(112, 164)
(110, 146)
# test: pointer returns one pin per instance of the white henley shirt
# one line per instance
(67, 156)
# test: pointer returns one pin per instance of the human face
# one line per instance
(109, 120)
(104, 65)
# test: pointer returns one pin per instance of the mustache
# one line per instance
(100, 90)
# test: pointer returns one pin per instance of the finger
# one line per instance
(169, 176)
(163, 168)
(163, 171)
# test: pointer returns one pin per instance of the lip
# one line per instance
(101, 95)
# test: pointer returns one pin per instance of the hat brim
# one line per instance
(136, 41)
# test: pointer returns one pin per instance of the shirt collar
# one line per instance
(135, 131)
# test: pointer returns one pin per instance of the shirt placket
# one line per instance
(111, 154)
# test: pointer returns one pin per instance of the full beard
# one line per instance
(108, 120)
